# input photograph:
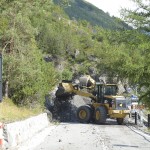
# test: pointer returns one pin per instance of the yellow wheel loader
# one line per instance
(105, 103)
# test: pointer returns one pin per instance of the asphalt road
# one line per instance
(75, 136)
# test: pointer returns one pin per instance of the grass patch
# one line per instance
(9, 112)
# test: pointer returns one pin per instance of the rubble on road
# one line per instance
(65, 110)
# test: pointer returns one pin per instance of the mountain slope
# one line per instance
(82, 10)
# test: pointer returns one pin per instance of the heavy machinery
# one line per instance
(105, 103)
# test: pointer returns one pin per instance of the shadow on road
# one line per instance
(109, 122)
(120, 145)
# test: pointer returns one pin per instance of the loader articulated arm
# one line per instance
(68, 89)
(85, 94)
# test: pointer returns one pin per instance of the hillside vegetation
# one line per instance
(41, 45)
(82, 10)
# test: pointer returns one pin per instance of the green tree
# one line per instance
(140, 18)
(27, 77)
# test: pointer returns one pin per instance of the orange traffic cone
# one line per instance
(1, 142)
(1, 135)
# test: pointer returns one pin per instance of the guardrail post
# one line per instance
(136, 118)
(148, 120)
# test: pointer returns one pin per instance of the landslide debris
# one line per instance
(64, 110)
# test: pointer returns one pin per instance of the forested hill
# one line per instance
(82, 10)
(34, 31)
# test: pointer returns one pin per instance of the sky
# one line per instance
(112, 6)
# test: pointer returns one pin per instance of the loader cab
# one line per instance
(99, 92)
(110, 89)
(103, 91)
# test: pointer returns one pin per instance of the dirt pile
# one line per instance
(65, 110)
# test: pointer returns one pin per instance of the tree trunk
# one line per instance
(6, 89)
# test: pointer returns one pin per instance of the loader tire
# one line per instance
(100, 115)
(84, 114)
(92, 112)
(120, 121)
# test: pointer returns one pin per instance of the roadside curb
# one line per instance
(38, 138)
(140, 127)
(19, 132)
